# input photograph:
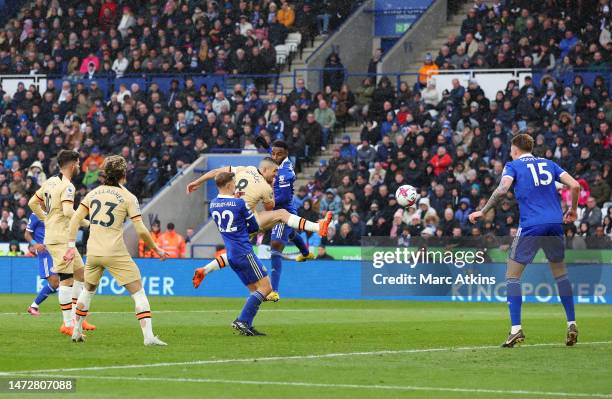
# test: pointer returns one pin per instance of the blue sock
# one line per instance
(251, 307)
(299, 242)
(567, 296)
(515, 300)
(277, 268)
(44, 293)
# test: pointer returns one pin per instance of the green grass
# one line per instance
(197, 329)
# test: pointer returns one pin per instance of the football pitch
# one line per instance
(314, 348)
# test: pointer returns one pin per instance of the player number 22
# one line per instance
(541, 176)
(220, 217)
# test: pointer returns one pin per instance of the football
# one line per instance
(406, 195)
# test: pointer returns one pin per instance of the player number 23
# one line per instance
(541, 176)
(220, 217)
(96, 206)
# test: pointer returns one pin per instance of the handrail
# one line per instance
(331, 36)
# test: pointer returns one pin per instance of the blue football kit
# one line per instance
(541, 217)
(45, 262)
(235, 222)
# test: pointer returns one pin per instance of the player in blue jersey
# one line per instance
(235, 222)
(281, 233)
(541, 226)
(35, 235)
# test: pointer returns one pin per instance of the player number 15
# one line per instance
(542, 176)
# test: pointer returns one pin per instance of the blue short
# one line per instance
(248, 267)
(281, 232)
(45, 264)
(530, 239)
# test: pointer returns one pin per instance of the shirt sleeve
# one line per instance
(86, 201)
(509, 171)
(32, 222)
(251, 221)
(40, 194)
(557, 171)
(68, 194)
(133, 208)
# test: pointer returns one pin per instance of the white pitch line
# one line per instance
(284, 358)
(344, 386)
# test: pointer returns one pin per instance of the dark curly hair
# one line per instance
(115, 168)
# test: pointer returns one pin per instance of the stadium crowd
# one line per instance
(450, 144)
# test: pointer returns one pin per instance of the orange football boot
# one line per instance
(324, 224)
(87, 326)
(64, 329)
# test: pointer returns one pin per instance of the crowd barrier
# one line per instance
(314, 280)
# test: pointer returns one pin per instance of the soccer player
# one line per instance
(53, 204)
(108, 206)
(35, 235)
(541, 226)
(283, 198)
(235, 222)
(254, 185)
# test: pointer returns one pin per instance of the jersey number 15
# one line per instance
(541, 176)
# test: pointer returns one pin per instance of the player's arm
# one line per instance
(73, 227)
(574, 186)
(69, 212)
(144, 235)
(496, 196)
(36, 205)
(211, 174)
(251, 220)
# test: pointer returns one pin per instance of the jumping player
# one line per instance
(541, 226)
(35, 235)
(108, 206)
(281, 233)
(254, 186)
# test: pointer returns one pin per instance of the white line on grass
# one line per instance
(344, 386)
(284, 358)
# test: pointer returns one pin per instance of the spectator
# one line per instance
(145, 252)
(426, 71)
(326, 118)
(592, 215)
(441, 160)
(172, 242)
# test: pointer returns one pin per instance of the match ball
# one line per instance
(406, 195)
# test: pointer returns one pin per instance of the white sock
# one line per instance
(34, 305)
(77, 288)
(569, 323)
(515, 329)
(216, 264)
(295, 221)
(143, 313)
(64, 295)
(85, 301)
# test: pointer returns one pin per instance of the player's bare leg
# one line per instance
(566, 295)
(77, 288)
(268, 219)
(514, 271)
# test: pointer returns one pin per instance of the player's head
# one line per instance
(268, 168)
(225, 183)
(115, 169)
(68, 161)
(521, 144)
(280, 151)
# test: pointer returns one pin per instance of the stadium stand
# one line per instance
(450, 143)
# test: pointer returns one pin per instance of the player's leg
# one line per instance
(64, 272)
(45, 264)
(277, 245)
(92, 272)
(77, 288)
(254, 276)
(219, 262)
(554, 249)
(522, 251)
(299, 242)
(127, 274)
(268, 219)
